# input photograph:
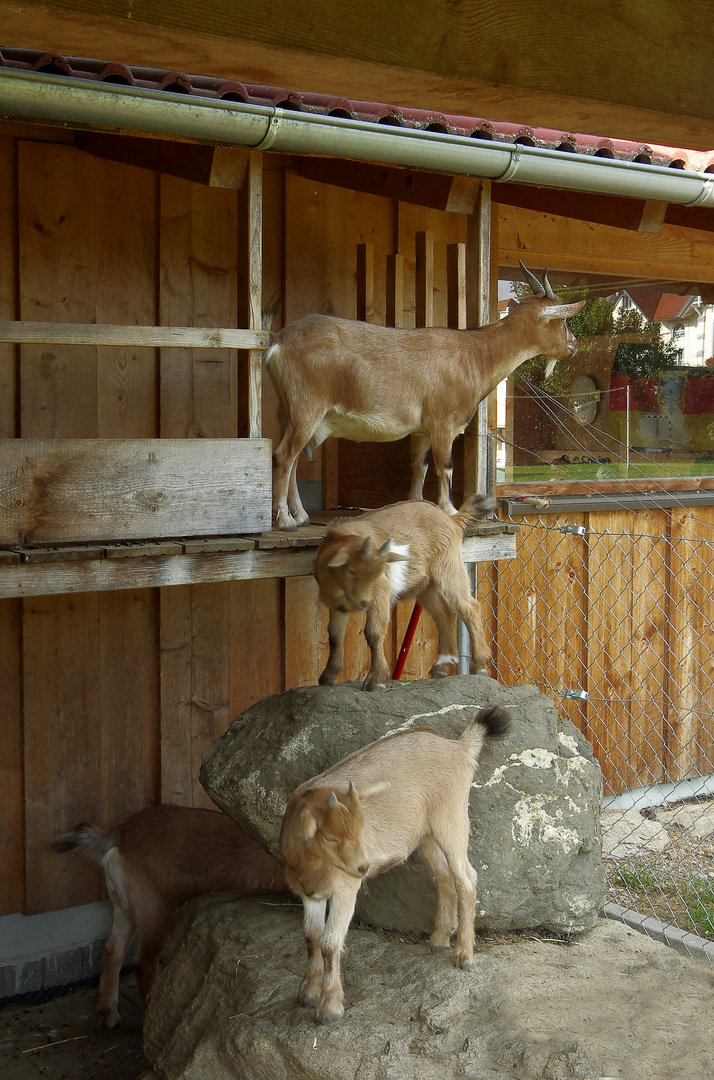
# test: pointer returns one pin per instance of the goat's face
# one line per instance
(325, 835)
(556, 340)
(347, 575)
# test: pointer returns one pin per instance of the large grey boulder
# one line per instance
(612, 1003)
(534, 809)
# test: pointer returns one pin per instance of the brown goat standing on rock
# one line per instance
(367, 814)
(153, 863)
(378, 383)
(409, 549)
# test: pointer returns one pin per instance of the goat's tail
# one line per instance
(270, 311)
(473, 510)
(491, 723)
(90, 842)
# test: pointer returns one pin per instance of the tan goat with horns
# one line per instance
(378, 384)
(368, 813)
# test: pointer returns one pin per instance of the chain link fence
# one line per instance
(611, 613)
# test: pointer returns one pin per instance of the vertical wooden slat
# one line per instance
(61, 744)
(257, 648)
(195, 685)
(128, 702)
(424, 278)
(478, 312)
(250, 296)
(456, 285)
(12, 831)
(365, 282)
(8, 286)
(306, 644)
(198, 274)
(395, 290)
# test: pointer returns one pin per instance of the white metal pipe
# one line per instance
(80, 104)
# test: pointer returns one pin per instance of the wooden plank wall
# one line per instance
(109, 699)
(624, 613)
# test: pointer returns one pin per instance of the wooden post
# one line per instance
(365, 282)
(456, 286)
(250, 298)
(395, 290)
(424, 278)
(477, 474)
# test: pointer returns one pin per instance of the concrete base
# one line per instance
(57, 948)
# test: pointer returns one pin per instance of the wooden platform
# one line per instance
(76, 568)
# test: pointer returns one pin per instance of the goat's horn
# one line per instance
(332, 799)
(367, 547)
(385, 548)
(532, 280)
(352, 790)
(548, 287)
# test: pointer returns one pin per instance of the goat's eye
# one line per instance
(330, 839)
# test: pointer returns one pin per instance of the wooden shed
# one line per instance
(152, 201)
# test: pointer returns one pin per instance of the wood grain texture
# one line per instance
(103, 489)
(12, 832)
(9, 383)
(178, 337)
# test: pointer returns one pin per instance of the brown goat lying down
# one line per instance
(368, 813)
(153, 863)
(409, 549)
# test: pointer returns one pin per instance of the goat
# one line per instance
(407, 549)
(372, 383)
(351, 823)
(153, 863)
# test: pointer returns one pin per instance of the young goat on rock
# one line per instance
(369, 383)
(410, 549)
(153, 863)
(370, 812)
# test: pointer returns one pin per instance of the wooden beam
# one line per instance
(216, 166)
(151, 570)
(458, 194)
(149, 337)
(467, 58)
(638, 215)
(59, 490)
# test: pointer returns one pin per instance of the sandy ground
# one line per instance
(60, 1039)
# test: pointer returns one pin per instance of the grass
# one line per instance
(697, 895)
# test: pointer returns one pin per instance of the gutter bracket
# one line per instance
(272, 133)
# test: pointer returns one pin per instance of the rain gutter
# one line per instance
(75, 103)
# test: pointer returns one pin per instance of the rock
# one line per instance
(626, 833)
(611, 1004)
(697, 819)
(535, 833)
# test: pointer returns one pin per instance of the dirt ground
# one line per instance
(60, 1040)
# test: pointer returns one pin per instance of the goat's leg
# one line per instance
(455, 589)
(446, 901)
(297, 511)
(294, 439)
(375, 631)
(342, 904)
(445, 621)
(441, 450)
(452, 836)
(115, 950)
(419, 446)
(336, 629)
(313, 928)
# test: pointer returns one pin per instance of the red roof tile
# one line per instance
(301, 101)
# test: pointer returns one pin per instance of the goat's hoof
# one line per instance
(327, 680)
(299, 518)
(464, 962)
(439, 948)
(325, 1015)
(108, 1018)
(369, 685)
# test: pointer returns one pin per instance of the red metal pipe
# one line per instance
(404, 651)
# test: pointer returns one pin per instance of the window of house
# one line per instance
(630, 405)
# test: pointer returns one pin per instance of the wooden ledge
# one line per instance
(74, 568)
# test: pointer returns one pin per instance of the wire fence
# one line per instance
(611, 613)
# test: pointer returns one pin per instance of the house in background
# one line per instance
(687, 322)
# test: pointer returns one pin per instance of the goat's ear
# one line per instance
(561, 311)
(339, 559)
(306, 826)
